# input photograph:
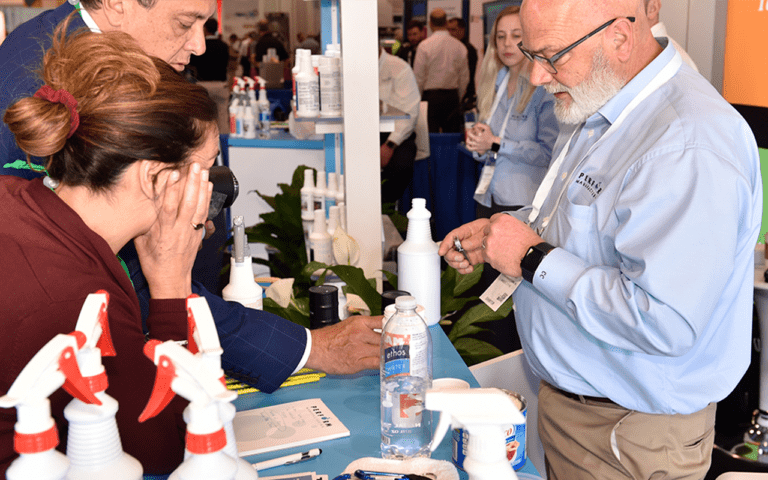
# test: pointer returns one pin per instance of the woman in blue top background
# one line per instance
(518, 127)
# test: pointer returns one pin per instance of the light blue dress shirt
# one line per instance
(648, 300)
(525, 150)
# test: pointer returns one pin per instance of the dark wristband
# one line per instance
(390, 144)
(533, 258)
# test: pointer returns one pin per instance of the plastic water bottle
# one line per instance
(406, 375)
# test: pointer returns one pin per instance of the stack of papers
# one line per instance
(288, 425)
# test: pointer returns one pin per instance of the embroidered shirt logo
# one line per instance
(593, 186)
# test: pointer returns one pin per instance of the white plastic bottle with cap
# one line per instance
(307, 206)
(294, 71)
(93, 442)
(334, 220)
(242, 287)
(265, 111)
(418, 263)
(307, 88)
(180, 370)
(484, 413)
(319, 194)
(234, 105)
(406, 375)
(330, 85)
(250, 118)
(36, 435)
(204, 342)
(320, 243)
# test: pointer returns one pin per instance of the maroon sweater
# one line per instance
(50, 261)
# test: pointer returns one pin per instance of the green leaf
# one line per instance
(290, 313)
(465, 282)
(480, 313)
(475, 351)
(391, 278)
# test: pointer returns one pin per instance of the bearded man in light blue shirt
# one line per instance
(637, 253)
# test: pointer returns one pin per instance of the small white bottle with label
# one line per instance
(307, 88)
(321, 247)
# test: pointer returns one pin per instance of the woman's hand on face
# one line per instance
(480, 138)
(168, 250)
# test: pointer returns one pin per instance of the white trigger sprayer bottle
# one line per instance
(265, 110)
(484, 413)
(93, 442)
(203, 342)
(185, 374)
(242, 287)
(36, 435)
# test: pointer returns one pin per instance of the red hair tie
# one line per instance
(65, 98)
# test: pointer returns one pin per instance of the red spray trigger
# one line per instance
(191, 326)
(105, 341)
(162, 394)
(75, 384)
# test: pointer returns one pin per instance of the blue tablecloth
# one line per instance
(355, 400)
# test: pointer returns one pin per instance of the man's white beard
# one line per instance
(588, 96)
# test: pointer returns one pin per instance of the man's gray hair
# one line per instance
(96, 4)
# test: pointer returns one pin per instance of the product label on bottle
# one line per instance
(406, 354)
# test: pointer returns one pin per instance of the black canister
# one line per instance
(323, 306)
(388, 297)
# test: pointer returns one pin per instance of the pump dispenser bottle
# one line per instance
(93, 442)
(242, 287)
(418, 263)
(36, 436)
(182, 372)
(484, 413)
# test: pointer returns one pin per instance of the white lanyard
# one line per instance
(546, 185)
(501, 91)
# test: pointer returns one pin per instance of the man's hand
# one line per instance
(347, 347)
(386, 154)
(471, 236)
(507, 240)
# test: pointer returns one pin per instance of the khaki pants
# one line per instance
(585, 439)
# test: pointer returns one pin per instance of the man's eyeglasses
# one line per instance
(549, 63)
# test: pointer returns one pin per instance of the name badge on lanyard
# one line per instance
(490, 164)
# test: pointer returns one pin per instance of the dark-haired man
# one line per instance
(416, 32)
(457, 27)
(442, 73)
(256, 344)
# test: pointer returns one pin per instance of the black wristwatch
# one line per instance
(533, 258)
(390, 144)
(495, 148)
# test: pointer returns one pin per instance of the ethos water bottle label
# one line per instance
(406, 354)
(397, 360)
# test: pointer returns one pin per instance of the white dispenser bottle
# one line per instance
(184, 373)
(233, 108)
(93, 442)
(330, 86)
(307, 88)
(319, 193)
(320, 243)
(330, 191)
(242, 287)
(418, 263)
(250, 112)
(307, 206)
(265, 111)
(36, 435)
(484, 413)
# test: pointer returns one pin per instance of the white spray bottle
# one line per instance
(242, 287)
(93, 442)
(265, 110)
(180, 371)
(250, 113)
(307, 206)
(484, 413)
(203, 342)
(233, 109)
(36, 436)
(240, 110)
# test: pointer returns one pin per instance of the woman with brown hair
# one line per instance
(517, 127)
(128, 144)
